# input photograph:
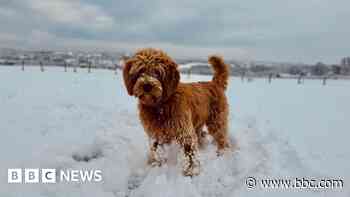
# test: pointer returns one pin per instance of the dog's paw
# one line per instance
(228, 148)
(221, 152)
(156, 162)
(192, 170)
(191, 166)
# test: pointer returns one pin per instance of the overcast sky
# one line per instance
(276, 30)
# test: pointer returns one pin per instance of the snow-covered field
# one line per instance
(283, 130)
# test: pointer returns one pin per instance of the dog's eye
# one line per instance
(139, 72)
(157, 74)
(142, 70)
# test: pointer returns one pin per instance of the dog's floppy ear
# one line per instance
(171, 80)
(129, 83)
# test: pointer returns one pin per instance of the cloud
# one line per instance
(41, 39)
(289, 30)
(6, 12)
(38, 40)
(73, 13)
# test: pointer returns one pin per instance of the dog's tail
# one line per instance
(221, 71)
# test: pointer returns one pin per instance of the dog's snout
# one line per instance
(147, 87)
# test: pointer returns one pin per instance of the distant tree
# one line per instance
(319, 69)
(336, 69)
(295, 70)
(260, 68)
(345, 70)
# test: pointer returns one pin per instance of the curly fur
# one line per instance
(173, 111)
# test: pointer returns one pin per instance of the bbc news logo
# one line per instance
(35, 175)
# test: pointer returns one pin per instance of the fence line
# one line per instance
(300, 78)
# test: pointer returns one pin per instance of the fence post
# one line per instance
(242, 76)
(22, 65)
(75, 68)
(89, 67)
(189, 72)
(65, 66)
(270, 77)
(41, 66)
(299, 79)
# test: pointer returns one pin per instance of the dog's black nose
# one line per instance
(147, 87)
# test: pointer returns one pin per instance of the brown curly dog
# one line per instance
(173, 111)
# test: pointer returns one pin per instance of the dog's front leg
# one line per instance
(189, 143)
(156, 154)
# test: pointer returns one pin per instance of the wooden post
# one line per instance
(270, 77)
(249, 79)
(75, 68)
(22, 65)
(324, 81)
(242, 76)
(89, 67)
(41, 66)
(65, 66)
(299, 79)
(189, 71)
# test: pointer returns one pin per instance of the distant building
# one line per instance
(345, 65)
(345, 61)
(336, 69)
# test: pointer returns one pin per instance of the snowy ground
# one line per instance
(282, 130)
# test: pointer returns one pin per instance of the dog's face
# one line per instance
(151, 76)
